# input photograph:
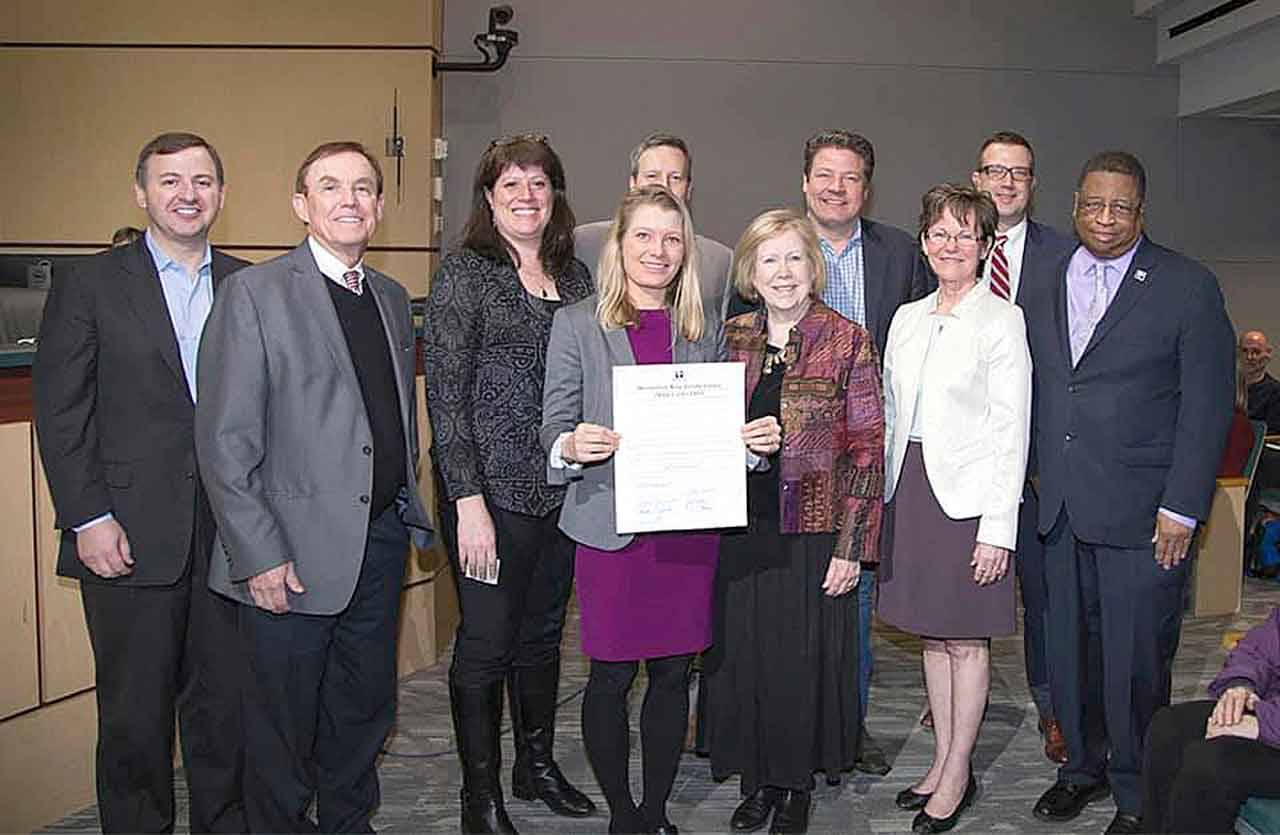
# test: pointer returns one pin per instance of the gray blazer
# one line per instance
(281, 431)
(579, 388)
(714, 261)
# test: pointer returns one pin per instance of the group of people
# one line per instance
(232, 455)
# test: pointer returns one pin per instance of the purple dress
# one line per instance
(652, 598)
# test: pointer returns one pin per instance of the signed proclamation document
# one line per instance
(681, 463)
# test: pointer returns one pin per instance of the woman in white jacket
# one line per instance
(957, 378)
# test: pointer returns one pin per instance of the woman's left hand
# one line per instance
(1247, 727)
(842, 576)
(990, 562)
(763, 436)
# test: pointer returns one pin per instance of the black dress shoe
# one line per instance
(871, 759)
(1124, 824)
(754, 810)
(791, 812)
(909, 800)
(1064, 801)
(925, 822)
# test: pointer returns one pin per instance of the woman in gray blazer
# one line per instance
(645, 597)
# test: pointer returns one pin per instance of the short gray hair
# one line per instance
(662, 140)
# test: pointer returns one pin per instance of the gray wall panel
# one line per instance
(925, 80)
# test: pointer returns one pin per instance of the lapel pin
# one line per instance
(1140, 275)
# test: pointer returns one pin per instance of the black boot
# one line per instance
(477, 719)
(535, 775)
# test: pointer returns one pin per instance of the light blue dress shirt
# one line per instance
(846, 291)
(189, 300)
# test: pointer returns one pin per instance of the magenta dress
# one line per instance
(652, 598)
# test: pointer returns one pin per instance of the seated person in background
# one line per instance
(1240, 436)
(1264, 390)
(1205, 758)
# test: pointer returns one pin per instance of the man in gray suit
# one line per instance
(662, 159)
(306, 436)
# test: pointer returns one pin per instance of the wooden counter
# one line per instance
(47, 707)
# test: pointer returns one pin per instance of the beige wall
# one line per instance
(84, 85)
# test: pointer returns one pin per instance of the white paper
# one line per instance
(681, 463)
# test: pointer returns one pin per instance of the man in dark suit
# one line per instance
(1134, 379)
(115, 392)
(306, 431)
(1023, 261)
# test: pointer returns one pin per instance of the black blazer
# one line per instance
(113, 412)
(895, 273)
(1140, 422)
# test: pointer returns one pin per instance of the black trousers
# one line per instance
(1115, 618)
(321, 699)
(157, 650)
(1029, 564)
(606, 732)
(1192, 784)
(518, 622)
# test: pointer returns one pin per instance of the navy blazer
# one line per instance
(1140, 422)
(1044, 249)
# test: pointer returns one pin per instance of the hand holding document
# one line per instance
(680, 464)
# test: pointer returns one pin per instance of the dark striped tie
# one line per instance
(352, 278)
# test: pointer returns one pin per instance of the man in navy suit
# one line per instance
(1134, 374)
(1023, 261)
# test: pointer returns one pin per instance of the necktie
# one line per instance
(1000, 270)
(352, 278)
(1098, 306)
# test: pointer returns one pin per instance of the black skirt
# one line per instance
(782, 673)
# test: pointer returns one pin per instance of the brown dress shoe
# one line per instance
(1055, 747)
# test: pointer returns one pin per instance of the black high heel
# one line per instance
(909, 800)
(927, 823)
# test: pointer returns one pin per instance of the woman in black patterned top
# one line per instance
(488, 322)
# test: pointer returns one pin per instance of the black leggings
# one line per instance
(606, 733)
(1192, 784)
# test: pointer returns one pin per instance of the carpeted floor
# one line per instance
(420, 774)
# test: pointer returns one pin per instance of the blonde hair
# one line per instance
(684, 295)
(766, 227)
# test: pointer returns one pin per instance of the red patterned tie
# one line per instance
(1000, 270)
(352, 278)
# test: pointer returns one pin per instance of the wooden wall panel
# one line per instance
(223, 21)
(66, 658)
(78, 117)
(19, 679)
(46, 763)
(424, 565)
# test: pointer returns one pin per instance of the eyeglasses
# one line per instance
(1120, 210)
(517, 138)
(999, 172)
(939, 238)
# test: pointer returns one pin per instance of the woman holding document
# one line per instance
(648, 596)
(957, 380)
(783, 669)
